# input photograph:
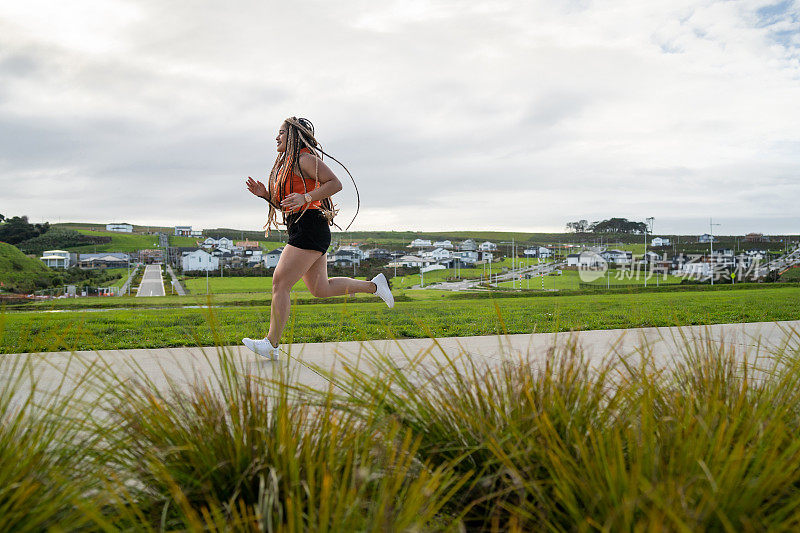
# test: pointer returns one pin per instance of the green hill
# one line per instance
(20, 273)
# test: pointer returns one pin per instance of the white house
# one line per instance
(468, 245)
(411, 261)
(705, 237)
(183, 231)
(699, 270)
(585, 259)
(469, 256)
(199, 260)
(271, 258)
(488, 246)
(355, 250)
(447, 245)
(539, 251)
(222, 242)
(420, 243)
(344, 258)
(659, 241)
(619, 257)
(439, 254)
(56, 259)
(120, 227)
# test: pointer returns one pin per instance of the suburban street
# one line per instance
(152, 284)
(533, 270)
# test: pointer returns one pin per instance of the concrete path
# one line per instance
(124, 290)
(175, 283)
(303, 362)
(152, 284)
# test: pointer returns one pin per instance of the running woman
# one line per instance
(300, 186)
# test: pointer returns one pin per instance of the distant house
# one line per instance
(56, 259)
(469, 257)
(155, 255)
(696, 269)
(187, 231)
(447, 245)
(585, 259)
(468, 245)
(420, 243)
(355, 250)
(438, 254)
(659, 241)
(222, 242)
(538, 251)
(488, 246)
(411, 261)
(706, 237)
(199, 260)
(120, 227)
(248, 245)
(651, 257)
(378, 253)
(619, 257)
(103, 260)
(271, 258)
(344, 258)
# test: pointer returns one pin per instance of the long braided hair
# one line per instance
(299, 135)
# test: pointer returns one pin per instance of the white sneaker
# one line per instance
(262, 347)
(383, 289)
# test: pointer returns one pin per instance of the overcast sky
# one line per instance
(494, 115)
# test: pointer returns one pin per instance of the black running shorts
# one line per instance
(310, 231)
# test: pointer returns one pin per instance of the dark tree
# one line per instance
(579, 226)
(617, 225)
(17, 229)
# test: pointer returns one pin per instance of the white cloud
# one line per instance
(497, 115)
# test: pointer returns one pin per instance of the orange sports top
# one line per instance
(302, 185)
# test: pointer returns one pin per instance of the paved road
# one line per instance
(152, 284)
(533, 270)
(302, 361)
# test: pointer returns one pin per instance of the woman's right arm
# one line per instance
(257, 188)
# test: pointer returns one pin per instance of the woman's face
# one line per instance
(281, 138)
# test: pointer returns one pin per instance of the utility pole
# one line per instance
(648, 222)
(711, 247)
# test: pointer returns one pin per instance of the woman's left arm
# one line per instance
(329, 184)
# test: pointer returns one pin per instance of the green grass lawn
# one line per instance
(120, 242)
(150, 328)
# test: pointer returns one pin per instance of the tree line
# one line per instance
(611, 225)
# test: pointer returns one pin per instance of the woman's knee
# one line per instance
(280, 284)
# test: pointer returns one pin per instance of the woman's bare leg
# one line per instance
(317, 280)
(292, 265)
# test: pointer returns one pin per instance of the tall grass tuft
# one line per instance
(708, 441)
(235, 451)
(47, 477)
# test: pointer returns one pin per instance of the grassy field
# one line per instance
(20, 272)
(149, 328)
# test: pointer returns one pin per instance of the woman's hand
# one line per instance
(292, 202)
(256, 187)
